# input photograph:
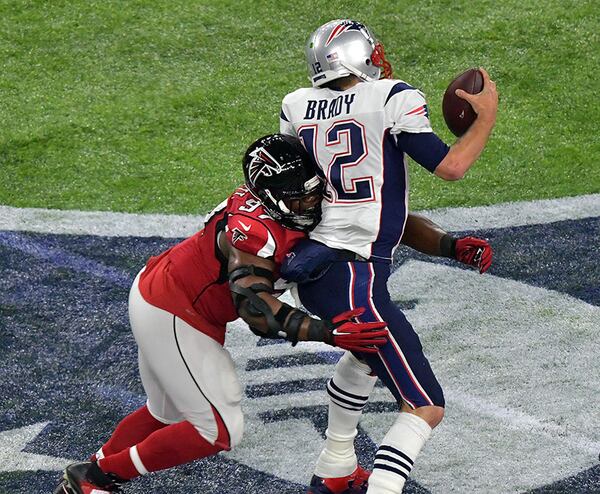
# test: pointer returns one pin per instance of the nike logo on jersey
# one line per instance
(328, 108)
(244, 226)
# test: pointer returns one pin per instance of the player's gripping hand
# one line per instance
(346, 333)
(474, 252)
(484, 103)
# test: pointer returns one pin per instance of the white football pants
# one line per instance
(185, 373)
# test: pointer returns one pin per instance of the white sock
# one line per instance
(349, 391)
(397, 453)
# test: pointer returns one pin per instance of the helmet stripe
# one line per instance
(339, 29)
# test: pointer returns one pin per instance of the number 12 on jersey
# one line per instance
(347, 143)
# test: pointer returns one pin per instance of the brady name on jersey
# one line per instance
(353, 136)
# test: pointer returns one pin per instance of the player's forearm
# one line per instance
(291, 323)
(261, 322)
(464, 152)
(422, 234)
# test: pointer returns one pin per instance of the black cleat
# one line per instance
(62, 488)
(87, 478)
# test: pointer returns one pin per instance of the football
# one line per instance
(458, 113)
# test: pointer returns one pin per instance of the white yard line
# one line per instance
(517, 420)
(175, 226)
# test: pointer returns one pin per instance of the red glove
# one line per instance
(474, 252)
(363, 337)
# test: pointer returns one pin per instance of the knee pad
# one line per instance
(353, 375)
(235, 428)
(351, 384)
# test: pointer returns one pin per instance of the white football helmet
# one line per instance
(343, 47)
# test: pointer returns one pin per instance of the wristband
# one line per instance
(448, 246)
(319, 331)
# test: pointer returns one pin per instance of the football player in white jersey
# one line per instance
(359, 124)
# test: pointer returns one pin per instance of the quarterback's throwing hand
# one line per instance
(474, 252)
(363, 337)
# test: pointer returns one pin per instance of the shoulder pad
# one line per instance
(250, 235)
(406, 109)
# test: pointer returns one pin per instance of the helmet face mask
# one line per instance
(280, 173)
(345, 47)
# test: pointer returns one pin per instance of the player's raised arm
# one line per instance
(465, 151)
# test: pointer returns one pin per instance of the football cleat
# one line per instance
(63, 488)
(87, 478)
(355, 483)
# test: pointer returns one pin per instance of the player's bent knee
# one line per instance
(433, 415)
(221, 427)
(228, 434)
(230, 424)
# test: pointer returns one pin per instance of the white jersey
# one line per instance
(352, 134)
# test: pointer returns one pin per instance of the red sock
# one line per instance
(173, 445)
(133, 429)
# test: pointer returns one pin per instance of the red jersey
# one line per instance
(191, 281)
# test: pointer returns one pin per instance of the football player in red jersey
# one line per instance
(180, 303)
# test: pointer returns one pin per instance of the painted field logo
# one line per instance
(516, 352)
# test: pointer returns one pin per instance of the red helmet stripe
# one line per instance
(339, 29)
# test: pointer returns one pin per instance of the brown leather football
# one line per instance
(458, 113)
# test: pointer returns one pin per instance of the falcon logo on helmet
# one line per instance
(262, 164)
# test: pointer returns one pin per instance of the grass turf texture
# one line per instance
(147, 106)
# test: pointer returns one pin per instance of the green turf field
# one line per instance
(147, 106)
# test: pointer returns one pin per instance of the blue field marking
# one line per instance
(286, 387)
(587, 481)
(561, 256)
(297, 359)
(68, 355)
(41, 249)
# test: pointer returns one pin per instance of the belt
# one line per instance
(348, 255)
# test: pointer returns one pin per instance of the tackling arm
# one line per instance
(251, 284)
